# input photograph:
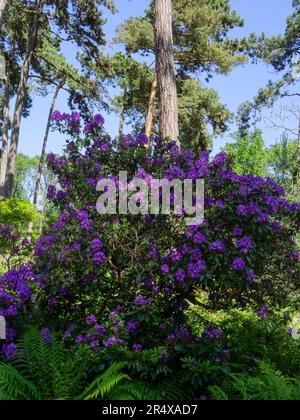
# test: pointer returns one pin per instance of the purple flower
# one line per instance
(141, 140)
(76, 246)
(46, 335)
(56, 116)
(9, 350)
(113, 341)
(242, 210)
(79, 339)
(195, 269)
(176, 256)
(238, 231)
(51, 192)
(165, 269)
(244, 244)
(133, 326)
(263, 312)
(99, 258)
(100, 330)
(180, 275)
(238, 264)
(91, 320)
(96, 244)
(295, 256)
(217, 246)
(212, 333)
(199, 238)
(137, 348)
(141, 301)
(250, 276)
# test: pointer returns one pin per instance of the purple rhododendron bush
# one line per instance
(122, 284)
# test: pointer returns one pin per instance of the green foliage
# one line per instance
(44, 371)
(266, 384)
(201, 115)
(283, 162)
(249, 154)
(26, 172)
(249, 337)
(17, 213)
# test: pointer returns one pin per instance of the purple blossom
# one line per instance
(217, 246)
(165, 269)
(114, 341)
(96, 244)
(91, 320)
(141, 301)
(242, 210)
(180, 275)
(250, 276)
(195, 269)
(137, 348)
(133, 326)
(99, 258)
(238, 231)
(9, 350)
(199, 238)
(211, 333)
(238, 264)
(100, 330)
(46, 335)
(244, 244)
(263, 312)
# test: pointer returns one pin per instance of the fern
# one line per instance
(57, 373)
(105, 383)
(114, 384)
(267, 384)
(14, 386)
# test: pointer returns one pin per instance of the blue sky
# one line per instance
(242, 84)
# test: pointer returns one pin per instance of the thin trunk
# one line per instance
(165, 68)
(122, 115)
(2, 7)
(45, 141)
(20, 100)
(151, 109)
(5, 131)
(298, 155)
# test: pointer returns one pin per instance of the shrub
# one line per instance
(123, 283)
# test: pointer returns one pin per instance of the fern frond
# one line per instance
(14, 386)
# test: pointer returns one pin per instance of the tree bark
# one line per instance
(5, 131)
(2, 7)
(165, 69)
(122, 115)
(151, 109)
(20, 100)
(45, 141)
(298, 155)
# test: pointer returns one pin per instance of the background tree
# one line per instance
(165, 70)
(202, 47)
(77, 21)
(249, 154)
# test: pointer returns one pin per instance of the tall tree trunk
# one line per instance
(45, 141)
(165, 68)
(122, 114)
(20, 100)
(298, 155)
(2, 7)
(5, 130)
(151, 109)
